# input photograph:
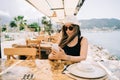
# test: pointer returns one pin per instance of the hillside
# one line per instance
(100, 23)
(85, 24)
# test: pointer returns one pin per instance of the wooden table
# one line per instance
(41, 70)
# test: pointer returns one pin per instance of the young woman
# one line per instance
(73, 46)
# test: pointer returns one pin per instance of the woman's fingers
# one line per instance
(60, 49)
(53, 52)
(57, 55)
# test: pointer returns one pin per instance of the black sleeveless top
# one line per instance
(75, 50)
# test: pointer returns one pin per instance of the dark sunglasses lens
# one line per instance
(70, 28)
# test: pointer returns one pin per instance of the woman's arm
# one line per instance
(61, 55)
(83, 52)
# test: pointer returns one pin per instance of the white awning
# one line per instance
(57, 9)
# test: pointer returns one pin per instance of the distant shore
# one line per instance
(100, 54)
(99, 30)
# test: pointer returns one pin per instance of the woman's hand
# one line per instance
(62, 54)
(57, 55)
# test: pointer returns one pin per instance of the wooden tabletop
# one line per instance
(40, 69)
(36, 69)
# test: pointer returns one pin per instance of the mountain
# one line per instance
(100, 23)
(85, 24)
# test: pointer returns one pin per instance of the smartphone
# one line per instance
(55, 47)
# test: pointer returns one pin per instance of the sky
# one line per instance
(100, 9)
(12, 8)
(90, 9)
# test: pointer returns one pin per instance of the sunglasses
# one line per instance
(70, 28)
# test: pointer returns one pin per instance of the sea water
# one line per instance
(109, 40)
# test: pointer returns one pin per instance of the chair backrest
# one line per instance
(20, 51)
(42, 38)
(55, 38)
(34, 44)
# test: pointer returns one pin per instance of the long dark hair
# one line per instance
(65, 39)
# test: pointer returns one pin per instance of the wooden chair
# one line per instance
(41, 38)
(34, 44)
(54, 38)
(29, 52)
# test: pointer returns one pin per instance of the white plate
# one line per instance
(94, 72)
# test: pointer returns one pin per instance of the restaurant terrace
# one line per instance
(24, 54)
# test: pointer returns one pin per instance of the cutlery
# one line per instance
(63, 72)
(28, 77)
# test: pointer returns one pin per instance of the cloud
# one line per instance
(18, 7)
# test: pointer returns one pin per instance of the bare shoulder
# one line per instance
(84, 40)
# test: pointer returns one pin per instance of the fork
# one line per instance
(27, 77)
